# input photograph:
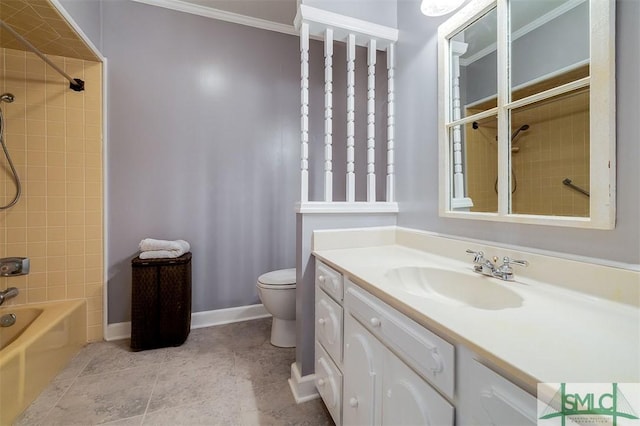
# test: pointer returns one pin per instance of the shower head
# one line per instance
(522, 128)
(7, 97)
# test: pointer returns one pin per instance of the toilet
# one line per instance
(277, 291)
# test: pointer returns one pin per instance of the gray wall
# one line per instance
(417, 147)
(203, 146)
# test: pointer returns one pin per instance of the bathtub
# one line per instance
(52, 334)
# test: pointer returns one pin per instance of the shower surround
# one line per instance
(54, 136)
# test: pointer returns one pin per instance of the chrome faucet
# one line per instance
(488, 267)
(505, 271)
(8, 294)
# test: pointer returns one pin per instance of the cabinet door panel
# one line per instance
(329, 383)
(329, 325)
(497, 401)
(362, 374)
(408, 399)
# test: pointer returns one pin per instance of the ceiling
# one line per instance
(43, 26)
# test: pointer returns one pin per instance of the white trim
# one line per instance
(461, 203)
(122, 330)
(78, 30)
(319, 20)
(535, 81)
(228, 315)
(321, 207)
(105, 201)
(601, 81)
(222, 15)
(302, 388)
(117, 331)
(550, 93)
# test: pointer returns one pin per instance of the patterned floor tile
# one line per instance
(224, 375)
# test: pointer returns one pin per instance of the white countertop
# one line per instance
(557, 335)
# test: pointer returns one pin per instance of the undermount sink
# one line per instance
(455, 288)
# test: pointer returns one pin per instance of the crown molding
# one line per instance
(221, 15)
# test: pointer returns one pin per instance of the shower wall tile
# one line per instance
(555, 147)
(55, 138)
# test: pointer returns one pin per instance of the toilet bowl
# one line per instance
(277, 291)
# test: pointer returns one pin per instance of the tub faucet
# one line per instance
(8, 294)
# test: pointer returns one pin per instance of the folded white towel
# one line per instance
(161, 254)
(150, 244)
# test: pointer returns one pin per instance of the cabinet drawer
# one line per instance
(329, 280)
(329, 325)
(431, 356)
(497, 401)
(329, 383)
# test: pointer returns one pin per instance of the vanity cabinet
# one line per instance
(329, 342)
(376, 366)
(379, 387)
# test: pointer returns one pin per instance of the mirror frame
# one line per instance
(602, 117)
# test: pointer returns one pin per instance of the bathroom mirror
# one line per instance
(527, 112)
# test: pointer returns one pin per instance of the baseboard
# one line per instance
(117, 331)
(228, 315)
(302, 388)
(122, 330)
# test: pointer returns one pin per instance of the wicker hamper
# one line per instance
(160, 302)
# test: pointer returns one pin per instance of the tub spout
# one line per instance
(8, 294)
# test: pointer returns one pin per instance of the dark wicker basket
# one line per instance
(160, 302)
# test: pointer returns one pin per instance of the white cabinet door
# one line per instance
(329, 325)
(497, 401)
(329, 383)
(408, 400)
(362, 375)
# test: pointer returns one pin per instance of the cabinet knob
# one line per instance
(321, 278)
(322, 321)
(321, 382)
(353, 402)
(375, 322)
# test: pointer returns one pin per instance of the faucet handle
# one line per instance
(508, 261)
(478, 256)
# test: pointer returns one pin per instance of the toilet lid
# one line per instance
(279, 277)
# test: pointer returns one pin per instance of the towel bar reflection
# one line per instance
(567, 182)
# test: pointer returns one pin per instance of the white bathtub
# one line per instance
(45, 338)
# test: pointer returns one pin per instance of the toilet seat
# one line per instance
(282, 279)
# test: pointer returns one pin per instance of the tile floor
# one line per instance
(223, 375)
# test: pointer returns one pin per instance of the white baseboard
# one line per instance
(122, 330)
(228, 315)
(302, 388)
(117, 331)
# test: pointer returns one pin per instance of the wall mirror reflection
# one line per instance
(527, 120)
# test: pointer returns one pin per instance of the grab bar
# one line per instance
(567, 182)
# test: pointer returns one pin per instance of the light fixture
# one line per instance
(439, 7)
